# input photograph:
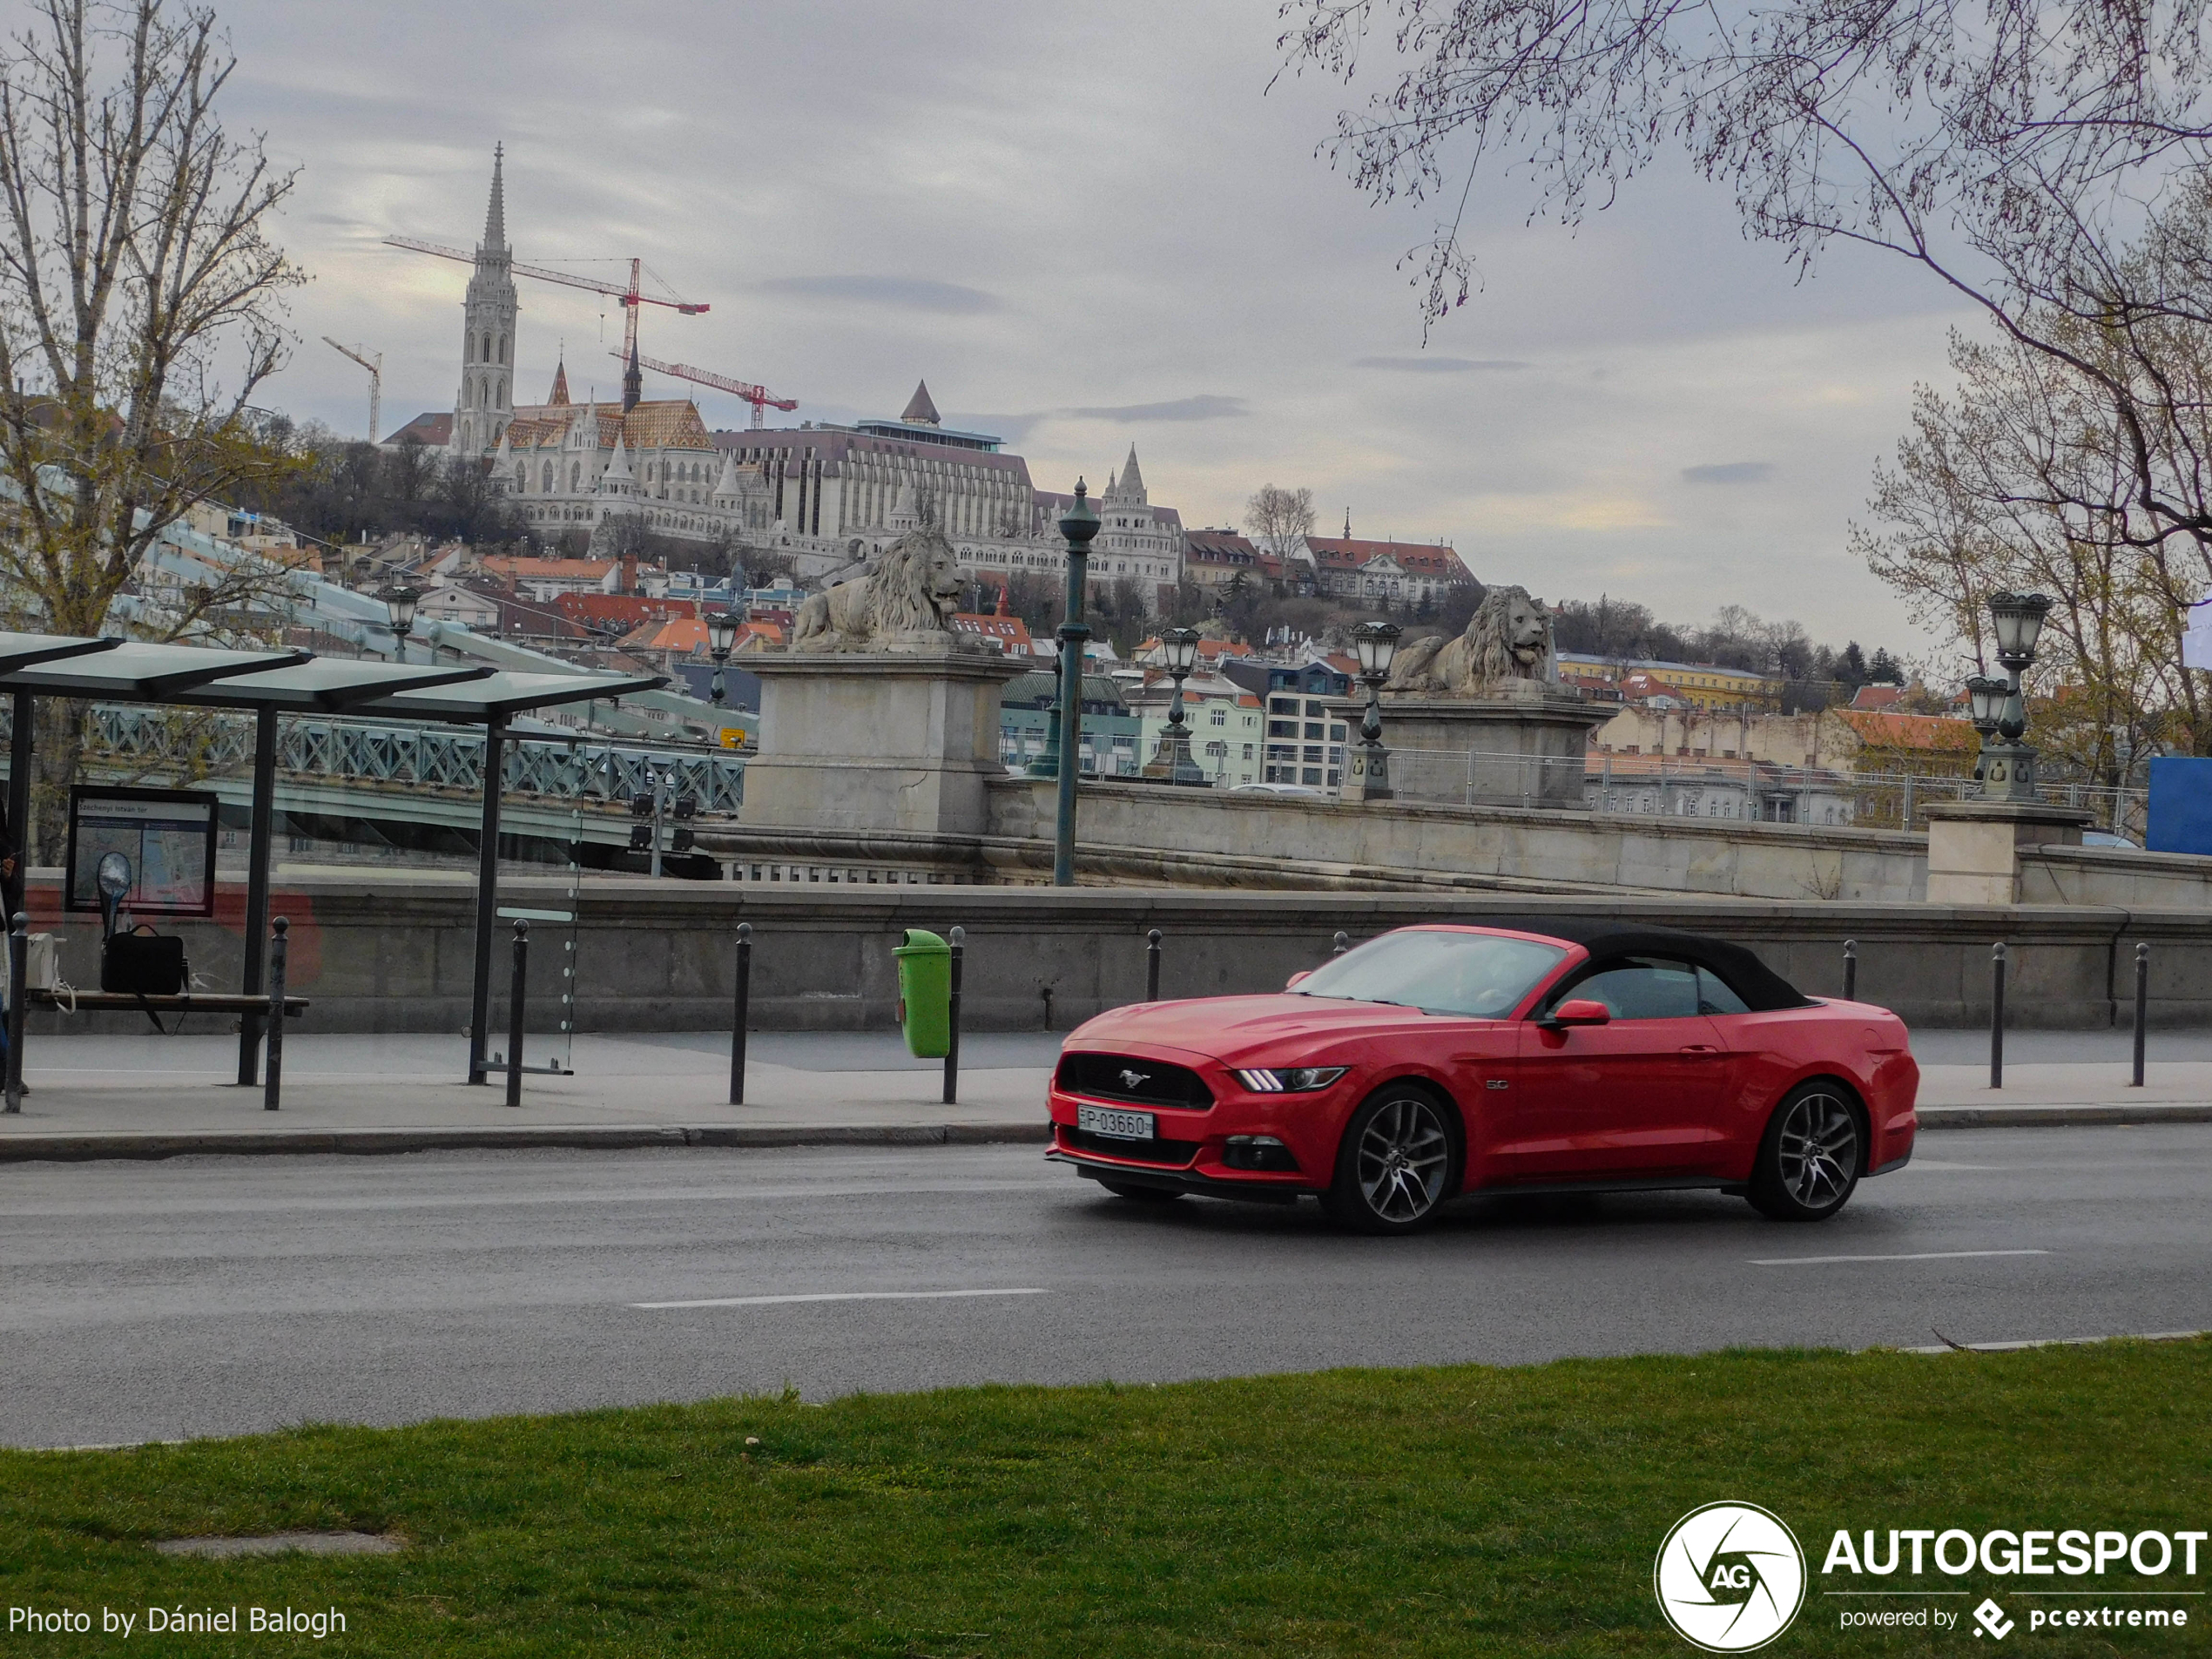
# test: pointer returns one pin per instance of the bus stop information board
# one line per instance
(168, 835)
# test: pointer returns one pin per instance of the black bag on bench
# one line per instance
(143, 964)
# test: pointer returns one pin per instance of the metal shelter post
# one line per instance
(19, 803)
(486, 894)
(257, 888)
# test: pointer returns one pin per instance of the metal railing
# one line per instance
(387, 754)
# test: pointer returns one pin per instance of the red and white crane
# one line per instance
(759, 396)
(629, 299)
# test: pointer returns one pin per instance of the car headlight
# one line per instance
(1296, 1080)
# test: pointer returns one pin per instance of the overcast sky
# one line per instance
(1088, 228)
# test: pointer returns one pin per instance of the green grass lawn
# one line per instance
(1460, 1511)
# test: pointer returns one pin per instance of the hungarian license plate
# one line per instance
(1122, 1126)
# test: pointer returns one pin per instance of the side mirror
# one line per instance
(1580, 1010)
(1291, 983)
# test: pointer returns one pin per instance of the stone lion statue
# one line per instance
(1508, 639)
(912, 589)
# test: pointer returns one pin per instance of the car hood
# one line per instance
(1237, 1028)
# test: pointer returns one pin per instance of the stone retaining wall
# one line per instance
(394, 955)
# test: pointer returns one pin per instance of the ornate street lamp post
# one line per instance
(2005, 768)
(1077, 525)
(1376, 645)
(399, 605)
(1172, 759)
(721, 635)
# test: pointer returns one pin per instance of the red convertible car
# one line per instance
(1516, 1057)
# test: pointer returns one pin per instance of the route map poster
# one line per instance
(168, 835)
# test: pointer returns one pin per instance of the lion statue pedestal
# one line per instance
(1483, 720)
(879, 717)
(904, 739)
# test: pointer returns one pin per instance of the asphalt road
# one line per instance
(219, 1296)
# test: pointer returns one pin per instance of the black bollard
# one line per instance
(1996, 1016)
(1850, 970)
(2142, 1006)
(743, 1016)
(18, 965)
(952, 1046)
(272, 1065)
(1152, 966)
(514, 1012)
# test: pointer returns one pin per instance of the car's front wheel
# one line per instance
(1811, 1157)
(1394, 1164)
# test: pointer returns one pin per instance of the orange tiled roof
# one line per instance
(1913, 731)
(663, 423)
(1418, 558)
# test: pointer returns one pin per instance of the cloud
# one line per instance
(1206, 407)
(1443, 365)
(1729, 472)
(913, 294)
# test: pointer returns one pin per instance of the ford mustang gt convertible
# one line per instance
(1517, 1057)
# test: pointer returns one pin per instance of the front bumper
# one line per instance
(1252, 1187)
(1192, 1151)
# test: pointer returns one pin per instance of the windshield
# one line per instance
(1480, 976)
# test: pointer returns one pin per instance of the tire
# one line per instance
(1811, 1156)
(1137, 1193)
(1395, 1164)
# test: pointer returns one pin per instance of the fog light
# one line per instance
(1258, 1152)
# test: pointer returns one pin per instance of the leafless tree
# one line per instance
(141, 305)
(2021, 481)
(1278, 518)
(2051, 165)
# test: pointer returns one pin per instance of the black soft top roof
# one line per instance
(1760, 987)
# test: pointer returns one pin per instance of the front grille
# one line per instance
(1177, 1153)
(1158, 1084)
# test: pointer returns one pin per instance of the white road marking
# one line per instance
(1923, 1256)
(839, 1296)
(2062, 1342)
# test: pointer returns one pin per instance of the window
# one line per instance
(1714, 996)
(1639, 988)
(1220, 717)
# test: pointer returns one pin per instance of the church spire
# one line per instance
(1132, 480)
(559, 397)
(495, 212)
(1347, 523)
(633, 382)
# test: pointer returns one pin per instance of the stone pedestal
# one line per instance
(1366, 772)
(1973, 845)
(1521, 751)
(905, 740)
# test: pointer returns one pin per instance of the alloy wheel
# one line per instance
(1817, 1150)
(1402, 1160)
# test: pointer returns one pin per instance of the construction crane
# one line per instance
(375, 367)
(629, 299)
(759, 396)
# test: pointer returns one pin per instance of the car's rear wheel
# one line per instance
(1394, 1164)
(1139, 1193)
(1811, 1157)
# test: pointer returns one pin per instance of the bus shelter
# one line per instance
(272, 683)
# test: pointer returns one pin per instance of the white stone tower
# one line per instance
(485, 405)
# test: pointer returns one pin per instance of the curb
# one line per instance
(76, 1149)
(2149, 1113)
(121, 1144)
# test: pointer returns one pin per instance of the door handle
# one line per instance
(1699, 1051)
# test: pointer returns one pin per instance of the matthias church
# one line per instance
(831, 496)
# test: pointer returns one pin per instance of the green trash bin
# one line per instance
(926, 993)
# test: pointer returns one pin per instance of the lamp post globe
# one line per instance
(2016, 619)
(400, 604)
(1986, 699)
(721, 636)
(1375, 645)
